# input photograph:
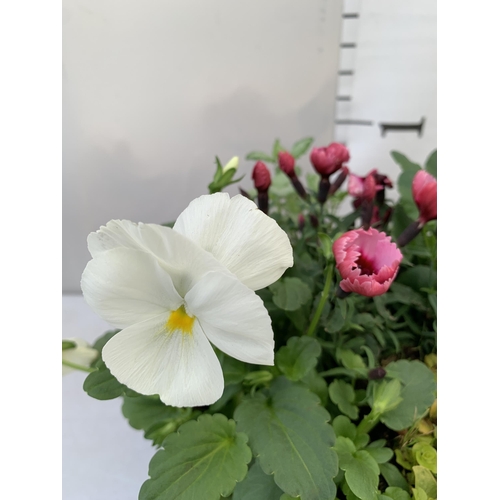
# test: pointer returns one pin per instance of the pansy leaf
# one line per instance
(425, 480)
(419, 277)
(205, 459)
(393, 476)
(103, 339)
(344, 427)
(316, 384)
(101, 384)
(290, 293)
(301, 147)
(361, 474)
(417, 393)
(298, 357)
(380, 455)
(395, 493)
(342, 394)
(289, 434)
(257, 486)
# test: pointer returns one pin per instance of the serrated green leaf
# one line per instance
(396, 493)
(380, 455)
(289, 434)
(431, 163)
(298, 357)
(418, 393)
(393, 476)
(342, 394)
(101, 384)
(258, 155)
(301, 147)
(290, 293)
(344, 427)
(257, 486)
(425, 481)
(361, 474)
(203, 459)
(316, 384)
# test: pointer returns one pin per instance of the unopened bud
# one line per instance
(424, 190)
(261, 177)
(328, 160)
(287, 163)
(334, 187)
(232, 163)
(323, 188)
(302, 222)
(314, 220)
(377, 373)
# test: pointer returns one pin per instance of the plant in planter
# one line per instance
(277, 350)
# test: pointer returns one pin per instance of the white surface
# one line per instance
(154, 89)
(394, 80)
(103, 457)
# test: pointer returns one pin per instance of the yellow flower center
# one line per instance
(180, 320)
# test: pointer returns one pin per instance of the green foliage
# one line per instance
(290, 294)
(298, 357)
(204, 459)
(358, 360)
(289, 435)
(257, 486)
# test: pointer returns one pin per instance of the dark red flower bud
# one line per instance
(287, 163)
(328, 160)
(302, 222)
(377, 373)
(344, 172)
(314, 220)
(261, 177)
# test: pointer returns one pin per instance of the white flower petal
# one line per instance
(184, 260)
(126, 286)
(182, 368)
(240, 236)
(233, 318)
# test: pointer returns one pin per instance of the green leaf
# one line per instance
(425, 480)
(101, 384)
(393, 476)
(418, 393)
(405, 164)
(336, 321)
(277, 147)
(350, 359)
(344, 427)
(326, 246)
(298, 357)
(301, 147)
(431, 163)
(419, 277)
(288, 497)
(380, 455)
(234, 370)
(361, 474)
(426, 456)
(258, 155)
(289, 434)
(386, 396)
(316, 384)
(257, 486)
(204, 459)
(342, 394)
(102, 341)
(405, 180)
(144, 411)
(290, 293)
(419, 494)
(396, 493)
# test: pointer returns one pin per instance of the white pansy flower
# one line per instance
(175, 291)
(82, 355)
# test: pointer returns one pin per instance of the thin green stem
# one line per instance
(322, 302)
(78, 367)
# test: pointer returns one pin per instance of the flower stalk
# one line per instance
(322, 302)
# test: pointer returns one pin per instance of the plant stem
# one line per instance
(322, 302)
(78, 367)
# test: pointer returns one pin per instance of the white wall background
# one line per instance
(394, 80)
(154, 89)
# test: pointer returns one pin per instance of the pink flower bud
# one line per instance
(364, 188)
(424, 189)
(328, 160)
(368, 261)
(261, 177)
(287, 163)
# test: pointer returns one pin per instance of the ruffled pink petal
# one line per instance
(358, 252)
